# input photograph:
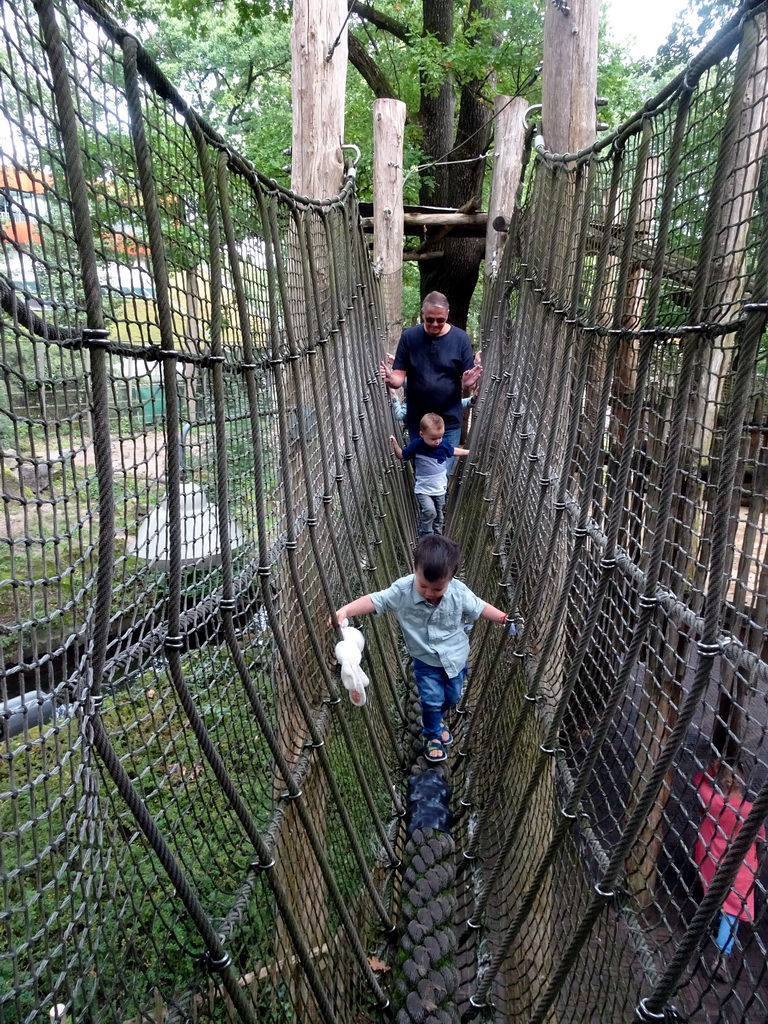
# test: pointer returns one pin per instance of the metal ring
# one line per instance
(642, 1008)
(686, 84)
(219, 965)
(95, 337)
(708, 650)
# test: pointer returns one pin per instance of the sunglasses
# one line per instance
(434, 319)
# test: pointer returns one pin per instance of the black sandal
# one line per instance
(434, 750)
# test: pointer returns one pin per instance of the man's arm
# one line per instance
(362, 606)
(392, 378)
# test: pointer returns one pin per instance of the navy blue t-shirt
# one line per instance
(429, 462)
(433, 368)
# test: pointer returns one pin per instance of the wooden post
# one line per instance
(569, 85)
(318, 77)
(317, 89)
(388, 129)
(569, 75)
(507, 166)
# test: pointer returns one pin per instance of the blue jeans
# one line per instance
(432, 513)
(452, 436)
(437, 693)
(726, 933)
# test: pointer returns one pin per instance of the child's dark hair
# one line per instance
(436, 557)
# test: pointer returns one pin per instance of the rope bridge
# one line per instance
(197, 825)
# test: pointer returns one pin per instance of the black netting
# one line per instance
(196, 822)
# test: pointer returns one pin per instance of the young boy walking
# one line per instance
(432, 607)
(433, 457)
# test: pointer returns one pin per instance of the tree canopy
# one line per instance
(445, 60)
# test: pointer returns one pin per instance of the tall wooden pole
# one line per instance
(569, 75)
(317, 87)
(569, 84)
(509, 138)
(318, 79)
(388, 130)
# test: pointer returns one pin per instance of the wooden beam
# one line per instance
(411, 254)
(465, 224)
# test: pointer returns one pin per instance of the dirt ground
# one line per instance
(34, 489)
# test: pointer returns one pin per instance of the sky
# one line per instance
(649, 21)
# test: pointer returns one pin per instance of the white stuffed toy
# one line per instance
(349, 653)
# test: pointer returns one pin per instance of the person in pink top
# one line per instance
(724, 808)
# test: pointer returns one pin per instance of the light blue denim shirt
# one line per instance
(432, 633)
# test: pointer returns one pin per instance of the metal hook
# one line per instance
(351, 145)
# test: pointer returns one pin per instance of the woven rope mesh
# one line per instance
(197, 824)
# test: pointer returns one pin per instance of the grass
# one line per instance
(68, 856)
(48, 558)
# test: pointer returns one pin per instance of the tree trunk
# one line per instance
(457, 272)
(436, 112)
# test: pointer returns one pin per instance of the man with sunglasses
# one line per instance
(434, 361)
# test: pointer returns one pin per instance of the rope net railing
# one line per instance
(197, 825)
(621, 472)
(194, 827)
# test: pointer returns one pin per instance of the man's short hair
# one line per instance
(435, 299)
(431, 421)
(436, 557)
